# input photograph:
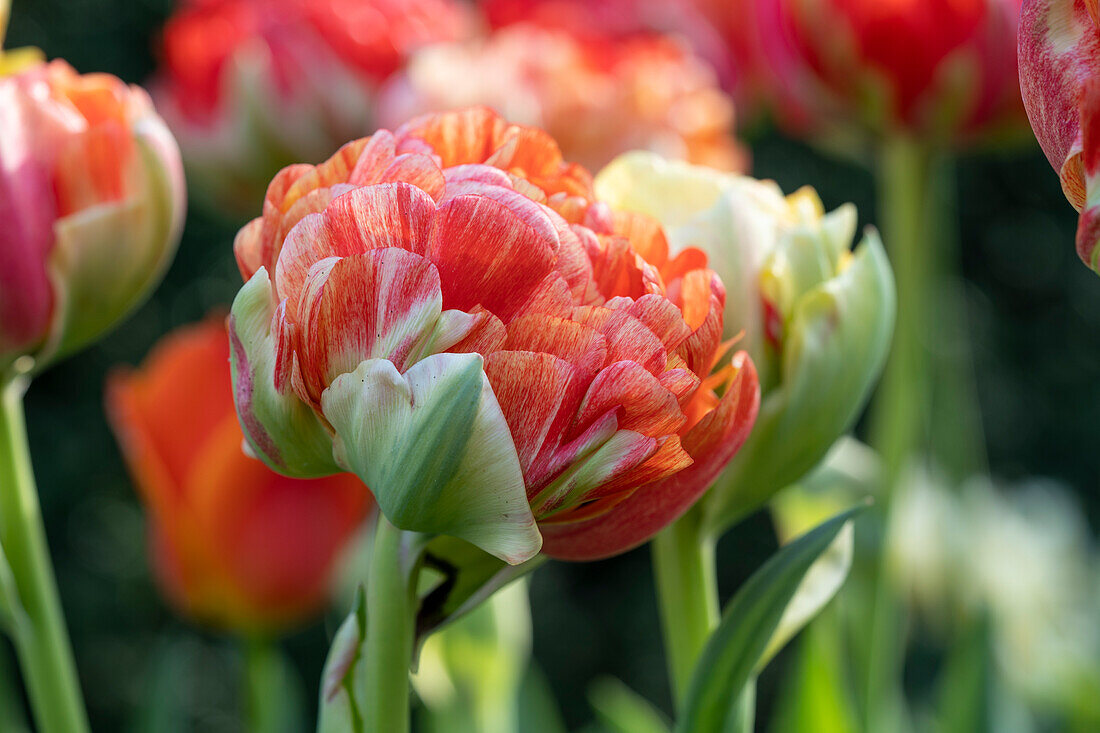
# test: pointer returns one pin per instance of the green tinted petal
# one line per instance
(834, 352)
(436, 451)
(108, 258)
(282, 430)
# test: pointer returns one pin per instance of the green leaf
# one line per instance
(621, 710)
(733, 653)
(815, 696)
(538, 710)
(12, 719)
(966, 684)
(434, 447)
(817, 588)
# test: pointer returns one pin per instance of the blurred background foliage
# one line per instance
(1033, 329)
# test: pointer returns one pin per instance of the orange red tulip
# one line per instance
(233, 543)
(447, 311)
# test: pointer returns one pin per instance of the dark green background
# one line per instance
(1034, 330)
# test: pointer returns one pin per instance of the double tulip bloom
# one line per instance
(447, 312)
(233, 543)
(816, 317)
(596, 98)
(249, 86)
(1060, 80)
(939, 69)
(92, 200)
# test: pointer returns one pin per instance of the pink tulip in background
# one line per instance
(1060, 81)
(91, 193)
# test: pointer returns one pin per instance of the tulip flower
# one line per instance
(446, 311)
(816, 318)
(233, 543)
(938, 69)
(1060, 81)
(91, 193)
(596, 98)
(249, 86)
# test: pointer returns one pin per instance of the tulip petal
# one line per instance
(834, 352)
(282, 430)
(383, 304)
(711, 444)
(434, 447)
(492, 251)
(108, 257)
(372, 217)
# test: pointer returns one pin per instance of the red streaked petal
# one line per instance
(712, 443)
(373, 217)
(490, 253)
(381, 304)
(647, 407)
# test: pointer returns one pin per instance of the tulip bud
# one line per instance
(233, 543)
(815, 317)
(484, 344)
(92, 192)
(1060, 81)
(249, 86)
(940, 70)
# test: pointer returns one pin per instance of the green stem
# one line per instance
(261, 672)
(687, 594)
(390, 628)
(42, 644)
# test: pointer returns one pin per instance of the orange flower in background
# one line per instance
(92, 199)
(233, 543)
(935, 68)
(249, 86)
(446, 311)
(596, 97)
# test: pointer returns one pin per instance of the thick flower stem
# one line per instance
(390, 628)
(262, 679)
(925, 407)
(41, 641)
(687, 595)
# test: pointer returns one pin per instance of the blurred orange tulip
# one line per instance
(233, 544)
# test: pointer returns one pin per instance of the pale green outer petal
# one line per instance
(434, 447)
(108, 258)
(818, 586)
(282, 430)
(835, 349)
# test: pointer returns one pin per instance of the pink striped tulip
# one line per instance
(447, 312)
(1060, 80)
(92, 199)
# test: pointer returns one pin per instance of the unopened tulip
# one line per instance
(941, 70)
(91, 190)
(1060, 81)
(233, 543)
(816, 318)
(596, 98)
(447, 312)
(249, 86)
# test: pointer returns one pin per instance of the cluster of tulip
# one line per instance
(456, 342)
